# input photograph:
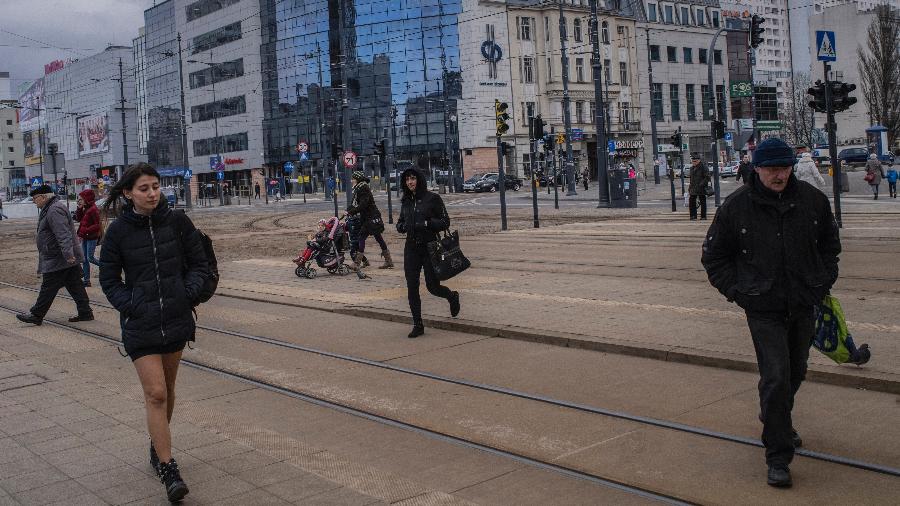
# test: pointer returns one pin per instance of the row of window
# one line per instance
(217, 73)
(201, 8)
(226, 144)
(528, 111)
(217, 37)
(657, 106)
(219, 109)
(684, 15)
(687, 55)
(527, 71)
(525, 28)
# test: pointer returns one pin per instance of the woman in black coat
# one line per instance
(164, 265)
(368, 222)
(422, 217)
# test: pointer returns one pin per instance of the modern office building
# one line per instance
(12, 151)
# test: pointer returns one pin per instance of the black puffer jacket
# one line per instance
(772, 252)
(363, 207)
(164, 265)
(422, 215)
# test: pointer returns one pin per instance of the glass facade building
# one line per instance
(345, 74)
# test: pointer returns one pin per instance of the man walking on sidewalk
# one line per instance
(697, 188)
(773, 249)
(59, 258)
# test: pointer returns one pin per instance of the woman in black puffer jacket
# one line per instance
(164, 265)
(422, 217)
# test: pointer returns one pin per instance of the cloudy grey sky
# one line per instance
(87, 26)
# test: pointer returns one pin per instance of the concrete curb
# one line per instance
(878, 382)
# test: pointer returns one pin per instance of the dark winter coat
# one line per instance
(874, 167)
(363, 206)
(88, 217)
(772, 252)
(423, 214)
(745, 170)
(164, 264)
(699, 179)
(55, 239)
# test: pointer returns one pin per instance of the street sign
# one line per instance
(611, 145)
(302, 147)
(220, 175)
(349, 159)
(744, 123)
(825, 50)
(36, 181)
(577, 134)
(741, 89)
(666, 148)
(304, 156)
(215, 163)
(768, 125)
(729, 136)
(560, 138)
(188, 173)
(289, 167)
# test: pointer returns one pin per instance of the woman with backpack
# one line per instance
(163, 260)
(422, 217)
(874, 174)
(88, 217)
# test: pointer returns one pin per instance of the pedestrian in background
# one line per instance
(745, 170)
(697, 188)
(422, 217)
(586, 177)
(892, 182)
(874, 174)
(256, 191)
(88, 217)
(773, 250)
(161, 256)
(806, 170)
(363, 207)
(59, 258)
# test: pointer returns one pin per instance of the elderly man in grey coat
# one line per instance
(59, 258)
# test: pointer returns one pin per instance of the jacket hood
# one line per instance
(421, 184)
(161, 212)
(88, 197)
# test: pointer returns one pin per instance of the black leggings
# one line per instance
(415, 259)
(361, 242)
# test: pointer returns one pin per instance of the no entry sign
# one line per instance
(349, 159)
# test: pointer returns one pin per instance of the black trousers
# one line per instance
(53, 281)
(415, 260)
(693, 206)
(782, 349)
(892, 187)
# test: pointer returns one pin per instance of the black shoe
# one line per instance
(796, 440)
(82, 318)
(169, 475)
(454, 303)
(693, 219)
(417, 330)
(154, 458)
(779, 476)
(30, 318)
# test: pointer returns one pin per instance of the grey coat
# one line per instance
(874, 166)
(56, 238)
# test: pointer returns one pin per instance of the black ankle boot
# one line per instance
(454, 303)
(417, 330)
(169, 475)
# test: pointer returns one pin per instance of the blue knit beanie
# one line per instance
(773, 152)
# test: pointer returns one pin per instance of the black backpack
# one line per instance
(211, 280)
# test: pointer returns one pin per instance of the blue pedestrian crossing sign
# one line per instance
(220, 175)
(36, 181)
(188, 174)
(825, 50)
(304, 156)
(611, 145)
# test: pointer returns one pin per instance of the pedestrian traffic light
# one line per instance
(676, 139)
(818, 93)
(719, 129)
(840, 96)
(537, 128)
(501, 117)
(380, 149)
(756, 30)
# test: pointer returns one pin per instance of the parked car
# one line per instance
(171, 195)
(729, 170)
(491, 183)
(853, 156)
(469, 184)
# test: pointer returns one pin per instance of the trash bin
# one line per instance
(622, 189)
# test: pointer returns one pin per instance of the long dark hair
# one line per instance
(117, 192)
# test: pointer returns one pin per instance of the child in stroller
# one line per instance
(327, 248)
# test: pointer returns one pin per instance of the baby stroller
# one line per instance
(327, 248)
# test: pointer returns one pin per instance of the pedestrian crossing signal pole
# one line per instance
(501, 117)
(832, 146)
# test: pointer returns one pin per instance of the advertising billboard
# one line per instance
(33, 141)
(31, 101)
(93, 135)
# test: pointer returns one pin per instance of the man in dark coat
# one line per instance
(59, 258)
(773, 249)
(256, 190)
(745, 170)
(697, 188)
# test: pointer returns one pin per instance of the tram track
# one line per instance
(643, 420)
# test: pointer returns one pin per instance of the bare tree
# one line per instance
(879, 69)
(796, 115)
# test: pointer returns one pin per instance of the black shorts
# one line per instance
(163, 349)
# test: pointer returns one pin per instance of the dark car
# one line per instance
(859, 156)
(491, 183)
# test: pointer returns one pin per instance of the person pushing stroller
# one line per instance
(326, 247)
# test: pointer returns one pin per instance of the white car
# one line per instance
(729, 170)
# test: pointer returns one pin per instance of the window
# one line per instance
(691, 106)
(702, 56)
(670, 11)
(547, 29)
(604, 32)
(579, 70)
(717, 56)
(579, 111)
(685, 16)
(576, 29)
(549, 70)
(623, 73)
(656, 99)
(203, 7)
(217, 73)
(592, 111)
(654, 52)
(219, 109)
(651, 13)
(607, 71)
(688, 55)
(624, 112)
(706, 98)
(528, 112)
(9, 122)
(217, 37)
(12, 149)
(701, 17)
(715, 18)
(673, 102)
(227, 144)
(528, 69)
(524, 28)
(671, 54)
(9, 135)
(12, 163)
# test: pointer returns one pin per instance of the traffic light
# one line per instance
(380, 149)
(504, 148)
(756, 30)
(818, 93)
(840, 96)
(719, 129)
(537, 128)
(334, 151)
(501, 117)
(676, 140)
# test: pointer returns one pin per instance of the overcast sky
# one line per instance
(88, 26)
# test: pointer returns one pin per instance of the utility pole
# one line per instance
(832, 145)
(715, 115)
(124, 128)
(599, 114)
(535, 131)
(653, 134)
(322, 129)
(184, 147)
(567, 117)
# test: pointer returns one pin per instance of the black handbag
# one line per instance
(376, 224)
(446, 257)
